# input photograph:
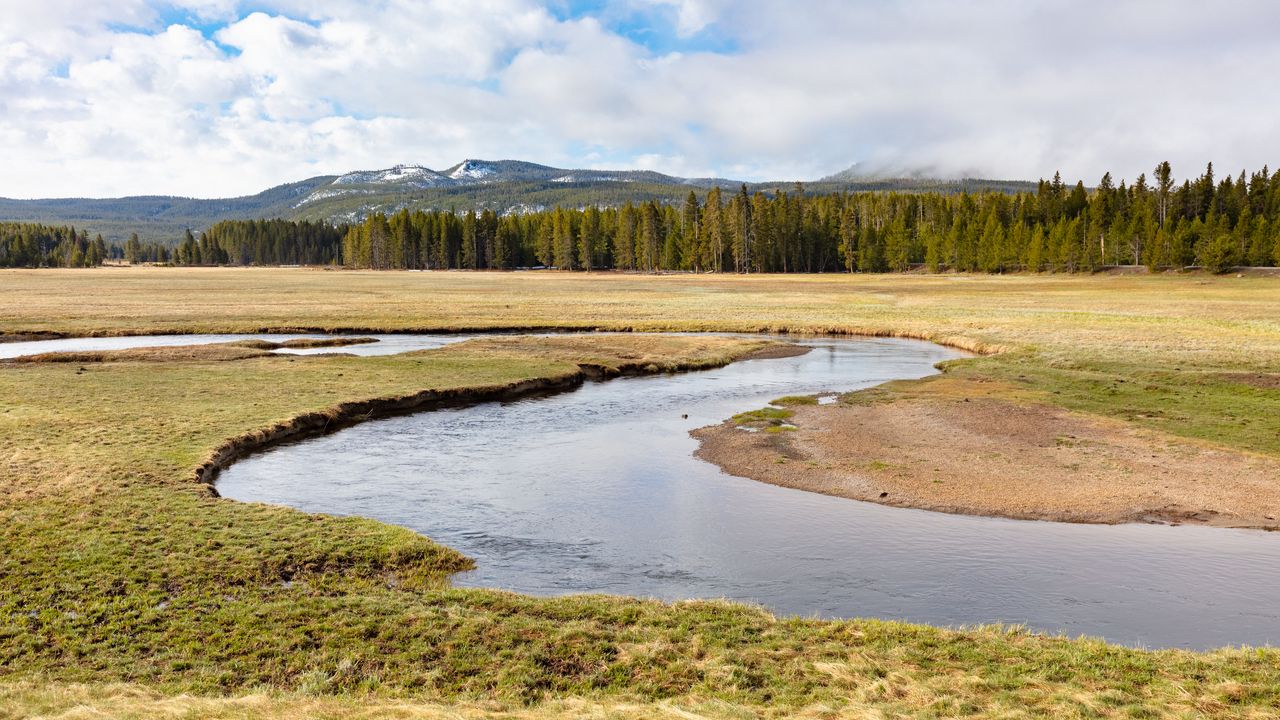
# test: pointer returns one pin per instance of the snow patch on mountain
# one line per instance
(411, 175)
(589, 178)
(332, 192)
(472, 170)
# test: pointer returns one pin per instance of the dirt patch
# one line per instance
(1265, 381)
(997, 457)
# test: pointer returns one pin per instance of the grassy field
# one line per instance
(129, 590)
(1194, 355)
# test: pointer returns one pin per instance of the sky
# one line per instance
(211, 98)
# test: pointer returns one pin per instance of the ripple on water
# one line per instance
(597, 490)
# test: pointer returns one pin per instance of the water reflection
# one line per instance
(597, 491)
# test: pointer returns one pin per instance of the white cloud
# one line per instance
(129, 96)
(693, 16)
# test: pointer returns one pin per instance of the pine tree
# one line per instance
(743, 231)
(624, 241)
(713, 231)
(1218, 251)
(133, 249)
(1034, 258)
(589, 238)
(870, 250)
(1164, 185)
(1275, 246)
(1259, 249)
(546, 240)
(896, 258)
(991, 244)
(849, 239)
(648, 240)
(467, 249)
(563, 239)
(691, 241)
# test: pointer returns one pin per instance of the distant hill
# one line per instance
(501, 185)
(157, 217)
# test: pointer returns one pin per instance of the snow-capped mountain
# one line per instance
(472, 172)
(485, 183)
(409, 175)
(409, 178)
(505, 186)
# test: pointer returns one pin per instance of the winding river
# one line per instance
(597, 490)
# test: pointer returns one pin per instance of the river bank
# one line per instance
(118, 568)
(970, 448)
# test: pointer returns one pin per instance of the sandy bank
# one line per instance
(998, 457)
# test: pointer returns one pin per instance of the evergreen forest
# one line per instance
(1210, 222)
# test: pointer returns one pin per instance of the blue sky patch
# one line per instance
(653, 28)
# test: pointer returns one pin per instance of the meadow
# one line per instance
(129, 589)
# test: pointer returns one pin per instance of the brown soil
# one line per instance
(1266, 381)
(998, 457)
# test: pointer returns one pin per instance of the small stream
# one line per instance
(597, 490)
(386, 345)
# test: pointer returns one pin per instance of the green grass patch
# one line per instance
(794, 400)
(763, 415)
(115, 567)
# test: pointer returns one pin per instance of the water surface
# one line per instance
(597, 490)
(385, 345)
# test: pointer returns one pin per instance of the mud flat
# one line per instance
(997, 457)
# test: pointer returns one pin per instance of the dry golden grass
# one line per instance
(1166, 351)
(117, 568)
(1165, 319)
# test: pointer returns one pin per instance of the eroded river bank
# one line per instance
(597, 490)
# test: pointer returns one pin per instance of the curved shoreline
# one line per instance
(346, 414)
(1014, 460)
(960, 342)
(724, 446)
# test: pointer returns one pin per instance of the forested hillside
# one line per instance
(1205, 221)
(504, 186)
(156, 218)
(1158, 223)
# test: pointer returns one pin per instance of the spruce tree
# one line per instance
(691, 241)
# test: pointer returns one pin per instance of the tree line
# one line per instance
(34, 245)
(263, 242)
(1058, 227)
(1157, 222)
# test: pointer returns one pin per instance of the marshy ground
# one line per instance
(126, 587)
(945, 445)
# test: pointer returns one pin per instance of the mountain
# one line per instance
(487, 172)
(157, 217)
(500, 185)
